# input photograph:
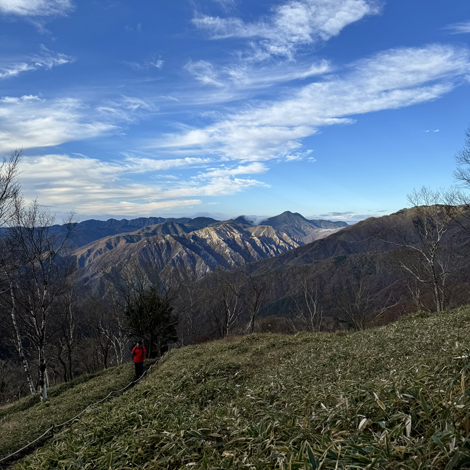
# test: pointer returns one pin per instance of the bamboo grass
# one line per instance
(395, 397)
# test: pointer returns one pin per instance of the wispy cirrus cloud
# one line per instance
(205, 72)
(292, 25)
(46, 60)
(136, 164)
(93, 186)
(459, 28)
(125, 109)
(29, 121)
(244, 77)
(227, 171)
(146, 64)
(390, 80)
(226, 4)
(36, 8)
(272, 44)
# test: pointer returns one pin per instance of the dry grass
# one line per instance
(396, 397)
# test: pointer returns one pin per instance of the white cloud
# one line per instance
(390, 80)
(130, 208)
(14, 69)
(144, 165)
(226, 4)
(36, 7)
(459, 28)
(126, 108)
(146, 64)
(225, 171)
(299, 156)
(88, 185)
(294, 24)
(236, 140)
(46, 59)
(224, 186)
(270, 55)
(28, 122)
(242, 76)
(349, 217)
(16, 100)
(204, 72)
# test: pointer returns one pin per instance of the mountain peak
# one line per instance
(242, 220)
(299, 228)
(285, 217)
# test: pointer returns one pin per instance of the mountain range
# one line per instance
(193, 246)
(279, 250)
(293, 224)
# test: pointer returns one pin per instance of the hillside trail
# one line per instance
(57, 429)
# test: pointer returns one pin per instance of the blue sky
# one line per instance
(332, 108)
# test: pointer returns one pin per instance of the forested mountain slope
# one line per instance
(381, 234)
(394, 264)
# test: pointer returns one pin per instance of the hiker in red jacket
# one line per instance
(138, 354)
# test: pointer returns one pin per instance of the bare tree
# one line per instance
(308, 305)
(423, 239)
(40, 275)
(107, 321)
(362, 303)
(9, 187)
(462, 173)
(66, 337)
(9, 205)
(19, 339)
(253, 295)
(190, 297)
(224, 301)
(429, 259)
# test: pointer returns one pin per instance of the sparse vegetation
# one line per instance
(395, 397)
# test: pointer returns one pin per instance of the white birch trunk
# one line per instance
(19, 344)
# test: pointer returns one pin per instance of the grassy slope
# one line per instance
(392, 397)
(27, 419)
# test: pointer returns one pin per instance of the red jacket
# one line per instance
(139, 353)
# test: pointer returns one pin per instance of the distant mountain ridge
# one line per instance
(91, 230)
(300, 228)
(293, 224)
(190, 247)
(172, 248)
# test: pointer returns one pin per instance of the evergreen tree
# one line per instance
(150, 317)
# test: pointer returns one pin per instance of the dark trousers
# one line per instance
(139, 369)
